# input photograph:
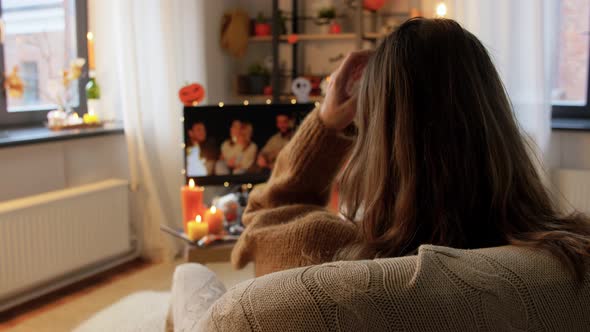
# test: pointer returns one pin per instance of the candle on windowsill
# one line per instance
(192, 202)
(197, 229)
(91, 117)
(214, 218)
(90, 38)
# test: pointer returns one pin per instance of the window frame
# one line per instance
(39, 115)
(574, 112)
(571, 112)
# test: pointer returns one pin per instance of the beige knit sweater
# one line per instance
(441, 289)
(287, 223)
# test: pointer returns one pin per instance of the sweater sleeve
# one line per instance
(287, 224)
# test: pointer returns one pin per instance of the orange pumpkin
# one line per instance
(191, 94)
(373, 5)
(292, 39)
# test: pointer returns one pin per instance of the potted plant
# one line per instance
(262, 26)
(325, 17)
(257, 78)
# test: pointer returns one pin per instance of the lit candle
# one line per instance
(197, 229)
(214, 218)
(90, 37)
(192, 202)
(441, 10)
(91, 118)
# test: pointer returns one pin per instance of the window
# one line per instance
(39, 39)
(570, 89)
(30, 74)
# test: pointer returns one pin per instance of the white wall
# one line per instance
(573, 149)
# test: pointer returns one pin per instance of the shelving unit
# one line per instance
(268, 99)
(307, 37)
(359, 37)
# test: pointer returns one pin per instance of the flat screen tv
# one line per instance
(237, 144)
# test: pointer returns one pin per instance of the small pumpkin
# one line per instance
(373, 5)
(192, 94)
(292, 39)
(262, 29)
(335, 28)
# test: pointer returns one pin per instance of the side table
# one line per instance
(212, 254)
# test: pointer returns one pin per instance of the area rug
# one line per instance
(142, 311)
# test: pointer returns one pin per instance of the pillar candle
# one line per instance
(90, 38)
(214, 218)
(197, 229)
(192, 202)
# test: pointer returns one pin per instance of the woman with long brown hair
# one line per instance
(433, 156)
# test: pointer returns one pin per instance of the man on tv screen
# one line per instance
(270, 151)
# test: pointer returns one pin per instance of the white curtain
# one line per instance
(521, 38)
(145, 51)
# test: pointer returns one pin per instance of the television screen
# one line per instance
(237, 144)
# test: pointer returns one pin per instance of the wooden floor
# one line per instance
(15, 316)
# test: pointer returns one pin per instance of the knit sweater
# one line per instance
(287, 222)
(505, 288)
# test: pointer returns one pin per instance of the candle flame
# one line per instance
(213, 209)
(90, 35)
(191, 183)
(441, 9)
(198, 218)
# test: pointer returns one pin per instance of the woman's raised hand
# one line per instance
(339, 106)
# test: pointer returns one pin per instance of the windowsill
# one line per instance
(39, 134)
(570, 124)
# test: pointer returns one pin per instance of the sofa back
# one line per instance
(441, 289)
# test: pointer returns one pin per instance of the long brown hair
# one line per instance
(439, 158)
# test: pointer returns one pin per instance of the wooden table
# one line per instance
(213, 254)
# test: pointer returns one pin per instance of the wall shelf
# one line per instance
(308, 37)
(374, 35)
(259, 99)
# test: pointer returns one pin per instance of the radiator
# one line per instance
(46, 238)
(573, 189)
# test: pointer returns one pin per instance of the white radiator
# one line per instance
(46, 238)
(574, 189)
